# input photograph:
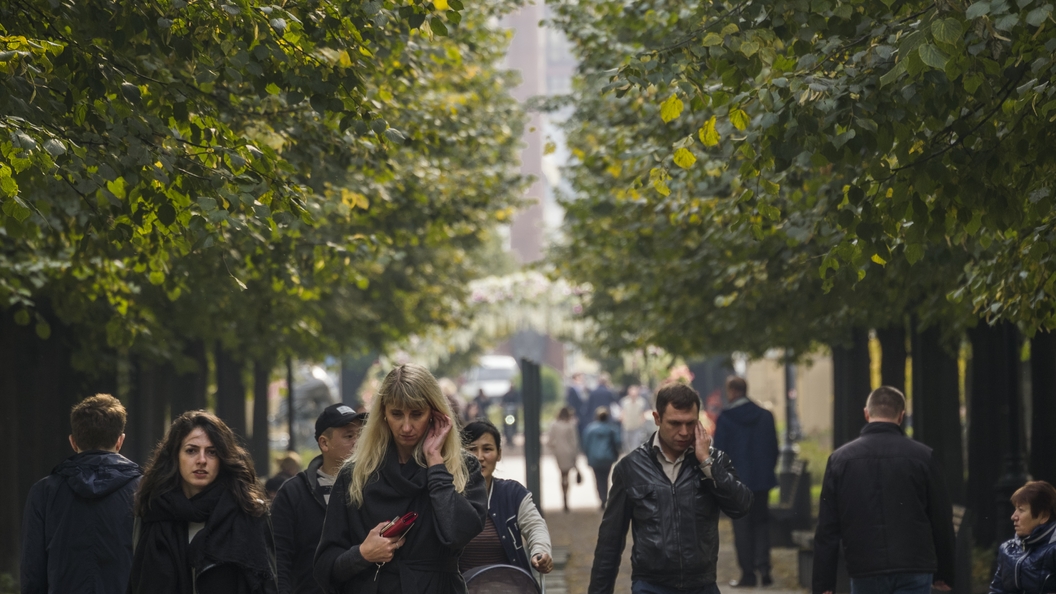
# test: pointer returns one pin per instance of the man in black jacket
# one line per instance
(300, 505)
(884, 497)
(670, 491)
(77, 527)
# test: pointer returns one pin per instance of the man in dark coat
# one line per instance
(746, 432)
(77, 527)
(600, 396)
(300, 505)
(669, 491)
(884, 498)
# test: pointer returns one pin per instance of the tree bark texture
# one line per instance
(1043, 410)
(231, 391)
(994, 447)
(851, 386)
(258, 443)
(893, 356)
(937, 407)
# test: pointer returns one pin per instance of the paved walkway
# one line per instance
(574, 535)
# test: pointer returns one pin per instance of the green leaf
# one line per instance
(684, 158)
(438, 27)
(876, 258)
(16, 209)
(711, 39)
(22, 317)
(739, 119)
(43, 329)
(1037, 16)
(892, 75)
(947, 31)
(978, 9)
(914, 252)
(671, 108)
(749, 48)
(709, 136)
(933, 56)
(166, 214)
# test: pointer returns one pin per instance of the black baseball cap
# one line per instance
(336, 415)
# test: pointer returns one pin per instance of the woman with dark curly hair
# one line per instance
(1027, 562)
(201, 516)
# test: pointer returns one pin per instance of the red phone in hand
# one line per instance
(399, 525)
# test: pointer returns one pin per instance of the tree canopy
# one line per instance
(309, 174)
(832, 156)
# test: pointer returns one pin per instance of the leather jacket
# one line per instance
(676, 535)
(1027, 565)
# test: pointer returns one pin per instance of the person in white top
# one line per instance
(635, 407)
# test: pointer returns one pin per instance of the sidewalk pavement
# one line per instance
(574, 535)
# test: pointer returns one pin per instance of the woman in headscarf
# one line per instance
(201, 516)
(408, 459)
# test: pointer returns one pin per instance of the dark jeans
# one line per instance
(751, 536)
(640, 587)
(893, 583)
(601, 476)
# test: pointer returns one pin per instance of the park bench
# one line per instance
(793, 510)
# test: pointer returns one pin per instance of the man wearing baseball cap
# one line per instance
(300, 505)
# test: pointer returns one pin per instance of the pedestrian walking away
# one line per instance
(884, 500)
(564, 444)
(408, 463)
(576, 399)
(669, 491)
(300, 505)
(289, 466)
(201, 515)
(602, 442)
(1026, 563)
(634, 407)
(77, 526)
(511, 513)
(746, 432)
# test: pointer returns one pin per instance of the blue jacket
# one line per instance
(745, 431)
(503, 505)
(601, 442)
(1027, 564)
(77, 528)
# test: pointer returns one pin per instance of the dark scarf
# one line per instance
(164, 559)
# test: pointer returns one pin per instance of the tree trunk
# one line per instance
(354, 370)
(1043, 396)
(851, 386)
(191, 384)
(893, 356)
(258, 445)
(38, 386)
(937, 408)
(994, 449)
(230, 391)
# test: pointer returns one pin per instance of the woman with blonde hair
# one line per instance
(407, 459)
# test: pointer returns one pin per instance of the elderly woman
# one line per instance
(511, 512)
(407, 459)
(1027, 562)
(201, 516)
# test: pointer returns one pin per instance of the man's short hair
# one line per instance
(1040, 496)
(679, 396)
(736, 384)
(885, 402)
(97, 422)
